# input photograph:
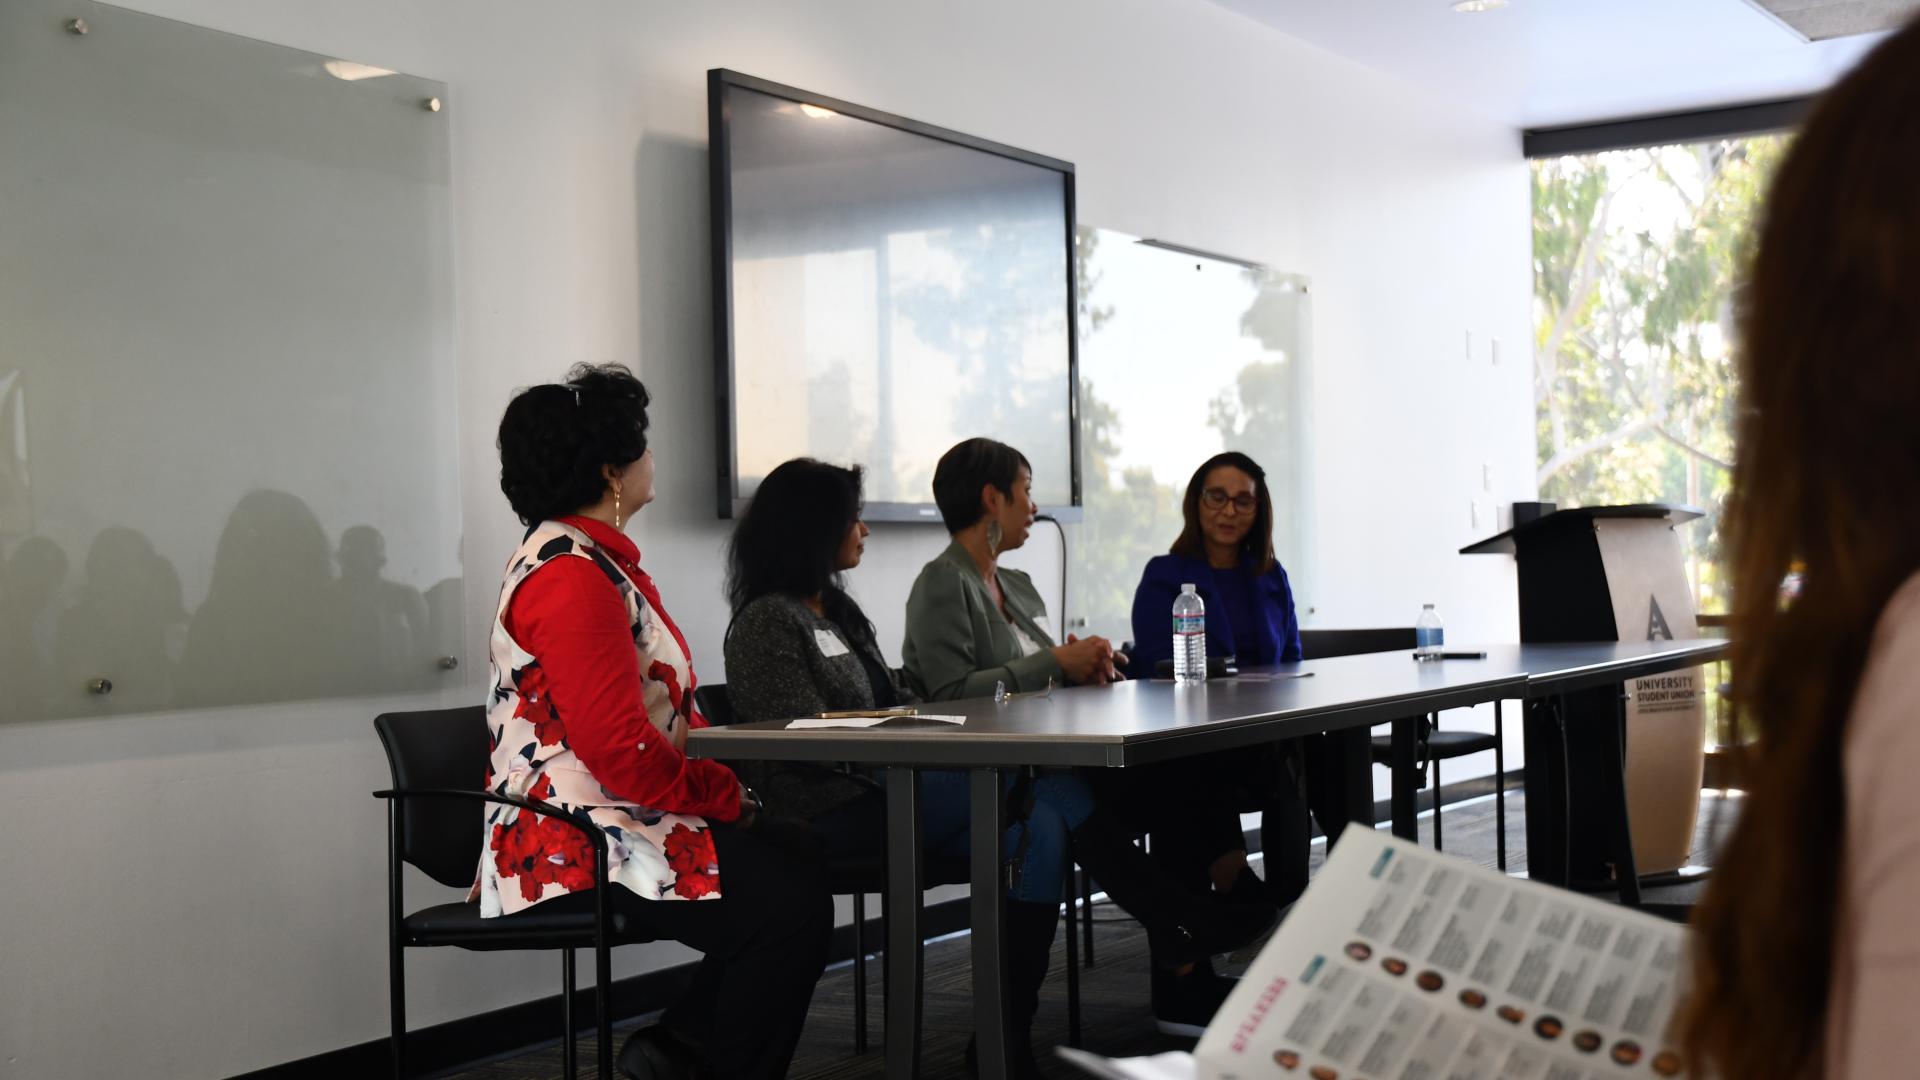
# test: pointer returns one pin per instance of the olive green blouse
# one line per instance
(958, 644)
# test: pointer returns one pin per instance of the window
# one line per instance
(1636, 258)
(1182, 356)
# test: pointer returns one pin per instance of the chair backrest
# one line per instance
(439, 748)
(1321, 644)
(714, 704)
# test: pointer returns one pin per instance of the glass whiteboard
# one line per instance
(227, 441)
(1181, 356)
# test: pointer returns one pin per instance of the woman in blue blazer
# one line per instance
(1225, 551)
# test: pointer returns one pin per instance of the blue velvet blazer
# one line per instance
(1276, 629)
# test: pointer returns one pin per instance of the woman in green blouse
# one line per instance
(973, 625)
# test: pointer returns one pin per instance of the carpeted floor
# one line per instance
(1114, 1013)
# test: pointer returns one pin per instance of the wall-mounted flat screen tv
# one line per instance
(884, 289)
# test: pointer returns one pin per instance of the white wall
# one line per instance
(143, 934)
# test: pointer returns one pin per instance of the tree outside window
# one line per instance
(1637, 257)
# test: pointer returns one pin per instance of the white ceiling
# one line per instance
(1543, 63)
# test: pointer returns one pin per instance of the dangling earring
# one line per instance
(616, 509)
(994, 536)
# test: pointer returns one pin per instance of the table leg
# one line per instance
(1405, 799)
(1499, 790)
(1626, 872)
(1545, 781)
(988, 890)
(904, 960)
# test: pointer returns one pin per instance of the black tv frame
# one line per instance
(719, 174)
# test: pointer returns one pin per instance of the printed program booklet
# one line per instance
(1404, 964)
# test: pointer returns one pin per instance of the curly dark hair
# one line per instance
(788, 539)
(557, 438)
(964, 470)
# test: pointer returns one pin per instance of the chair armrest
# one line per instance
(601, 880)
(594, 836)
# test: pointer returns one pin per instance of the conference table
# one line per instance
(1138, 723)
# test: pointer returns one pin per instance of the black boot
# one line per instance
(1248, 888)
(1029, 930)
(1286, 835)
(1182, 926)
(655, 1053)
(1184, 1005)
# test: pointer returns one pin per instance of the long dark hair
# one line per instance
(788, 539)
(1257, 547)
(1827, 480)
(556, 438)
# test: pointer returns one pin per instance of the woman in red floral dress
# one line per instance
(592, 697)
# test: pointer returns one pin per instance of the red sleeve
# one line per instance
(569, 616)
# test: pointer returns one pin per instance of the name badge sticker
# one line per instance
(830, 645)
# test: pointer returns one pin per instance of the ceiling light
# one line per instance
(352, 72)
(817, 112)
(1471, 6)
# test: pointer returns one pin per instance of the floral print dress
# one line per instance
(530, 857)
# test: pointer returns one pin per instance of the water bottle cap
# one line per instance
(1189, 587)
(1426, 607)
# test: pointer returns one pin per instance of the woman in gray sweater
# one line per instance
(799, 645)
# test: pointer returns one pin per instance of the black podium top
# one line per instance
(1503, 544)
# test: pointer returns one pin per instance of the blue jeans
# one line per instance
(1040, 845)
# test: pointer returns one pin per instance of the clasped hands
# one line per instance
(1089, 661)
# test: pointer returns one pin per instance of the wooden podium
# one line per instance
(1608, 573)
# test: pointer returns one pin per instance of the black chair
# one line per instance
(1323, 644)
(434, 817)
(1431, 745)
(858, 876)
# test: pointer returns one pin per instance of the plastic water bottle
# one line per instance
(1428, 634)
(1189, 637)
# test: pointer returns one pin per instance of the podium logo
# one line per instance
(1657, 629)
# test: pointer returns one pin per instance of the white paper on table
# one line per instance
(1248, 676)
(1174, 1065)
(809, 722)
(1402, 962)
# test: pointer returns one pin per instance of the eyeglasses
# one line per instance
(1217, 499)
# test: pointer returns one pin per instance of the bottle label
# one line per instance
(1189, 624)
(1428, 637)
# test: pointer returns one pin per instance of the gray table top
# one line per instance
(1139, 722)
(1560, 668)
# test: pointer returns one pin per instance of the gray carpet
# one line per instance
(1114, 1013)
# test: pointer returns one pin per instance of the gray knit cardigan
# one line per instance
(785, 662)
